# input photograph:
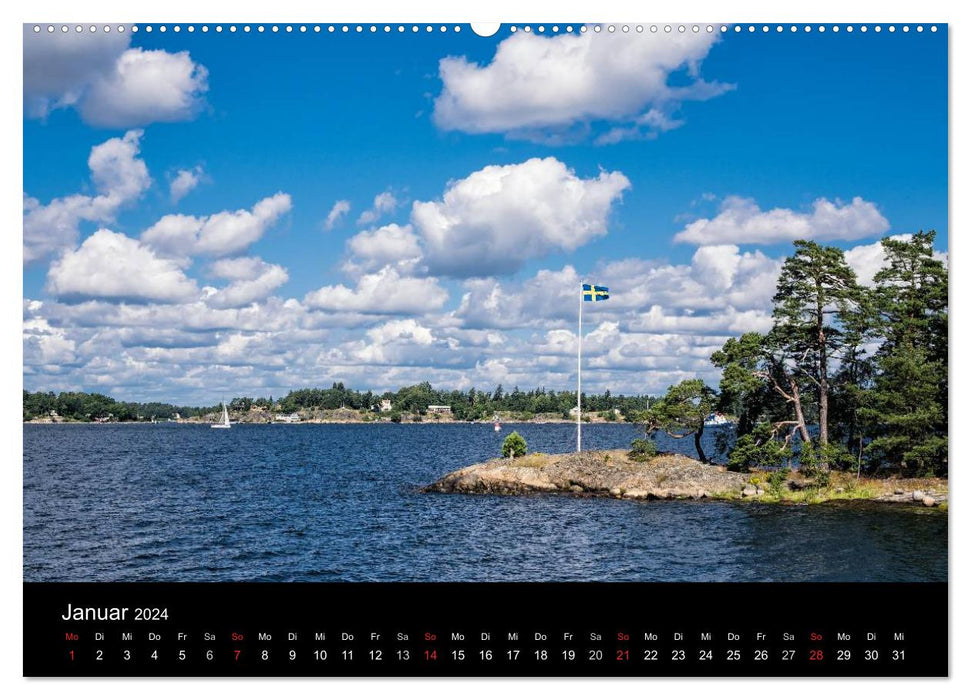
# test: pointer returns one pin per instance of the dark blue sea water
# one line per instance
(171, 502)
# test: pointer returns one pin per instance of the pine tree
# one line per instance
(760, 379)
(746, 387)
(816, 290)
(682, 412)
(853, 378)
(906, 410)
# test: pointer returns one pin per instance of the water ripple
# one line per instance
(340, 503)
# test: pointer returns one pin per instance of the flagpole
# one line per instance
(579, 349)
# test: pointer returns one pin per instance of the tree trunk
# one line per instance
(823, 403)
(797, 403)
(701, 452)
(852, 421)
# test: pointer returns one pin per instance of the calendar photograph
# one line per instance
(454, 304)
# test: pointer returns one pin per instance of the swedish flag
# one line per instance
(592, 292)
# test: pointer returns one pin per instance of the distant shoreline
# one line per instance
(322, 421)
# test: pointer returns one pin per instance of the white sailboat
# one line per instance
(224, 423)
(496, 425)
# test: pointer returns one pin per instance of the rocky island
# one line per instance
(615, 474)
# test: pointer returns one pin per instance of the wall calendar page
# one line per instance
(446, 349)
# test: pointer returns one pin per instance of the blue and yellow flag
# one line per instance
(592, 292)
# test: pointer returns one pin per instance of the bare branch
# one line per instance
(808, 375)
(775, 385)
(678, 437)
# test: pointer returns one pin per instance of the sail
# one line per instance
(224, 423)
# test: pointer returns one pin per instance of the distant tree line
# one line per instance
(848, 377)
(473, 404)
(82, 406)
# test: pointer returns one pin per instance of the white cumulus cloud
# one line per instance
(336, 214)
(383, 292)
(740, 220)
(58, 67)
(548, 296)
(110, 84)
(720, 288)
(498, 217)
(251, 279)
(868, 260)
(184, 182)
(391, 244)
(384, 203)
(401, 329)
(119, 176)
(542, 87)
(110, 265)
(44, 344)
(224, 233)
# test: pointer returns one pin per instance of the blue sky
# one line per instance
(479, 190)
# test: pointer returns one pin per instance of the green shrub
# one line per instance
(808, 459)
(514, 445)
(757, 450)
(812, 456)
(822, 480)
(641, 450)
(777, 481)
(839, 457)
